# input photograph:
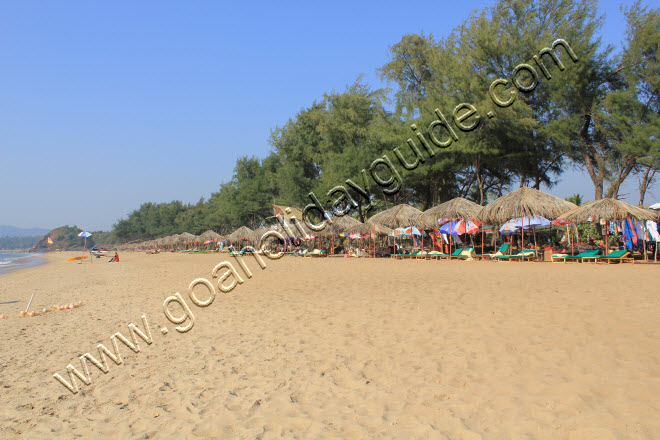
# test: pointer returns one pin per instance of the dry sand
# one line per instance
(338, 348)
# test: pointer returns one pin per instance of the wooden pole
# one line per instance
(607, 244)
(522, 241)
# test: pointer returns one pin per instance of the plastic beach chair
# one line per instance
(616, 256)
(529, 255)
(579, 257)
(502, 250)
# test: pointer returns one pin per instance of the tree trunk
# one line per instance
(647, 181)
(596, 170)
(480, 180)
(613, 190)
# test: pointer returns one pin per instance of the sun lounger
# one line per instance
(529, 255)
(614, 256)
(454, 254)
(579, 257)
(502, 250)
(466, 254)
(430, 255)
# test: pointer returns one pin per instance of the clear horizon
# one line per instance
(110, 106)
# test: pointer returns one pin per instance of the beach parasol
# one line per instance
(457, 208)
(84, 234)
(606, 210)
(402, 215)
(411, 230)
(524, 202)
(453, 209)
(466, 227)
(210, 235)
(515, 224)
(186, 238)
(242, 233)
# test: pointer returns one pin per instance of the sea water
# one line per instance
(18, 260)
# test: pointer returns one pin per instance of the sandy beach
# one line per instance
(337, 348)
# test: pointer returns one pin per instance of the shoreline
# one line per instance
(23, 263)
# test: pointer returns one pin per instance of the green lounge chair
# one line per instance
(529, 255)
(454, 254)
(465, 257)
(503, 249)
(616, 256)
(579, 257)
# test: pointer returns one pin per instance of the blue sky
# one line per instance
(104, 106)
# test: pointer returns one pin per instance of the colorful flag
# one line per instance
(50, 241)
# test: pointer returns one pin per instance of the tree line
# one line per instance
(600, 114)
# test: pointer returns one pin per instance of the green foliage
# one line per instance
(600, 113)
(12, 243)
(575, 198)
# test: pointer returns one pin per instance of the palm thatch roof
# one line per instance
(210, 235)
(607, 209)
(455, 208)
(186, 238)
(171, 239)
(399, 216)
(344, 223)
(294, 230)
(524, 202)
(340, 224)
(369, 228)
(242, 233)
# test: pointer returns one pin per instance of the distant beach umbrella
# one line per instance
(466, 227)
(411, 230)
(399, 216)
(84, 234)
(607, 209)
(242, 233)
(515, 224)
(524, 202)
(453, 209)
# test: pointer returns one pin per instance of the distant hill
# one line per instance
(13, 231)
(64, 238)
(14, 243)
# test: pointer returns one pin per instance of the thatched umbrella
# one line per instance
(454, 208)
(186, 238)
(258, 233)
(340, 224)
(607, 209)
(171, 240)
(399, 216)
(242, 233)
(210, 235)
(524, 202)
